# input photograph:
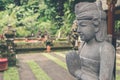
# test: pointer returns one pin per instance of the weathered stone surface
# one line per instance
(96, 55)
(73, 62)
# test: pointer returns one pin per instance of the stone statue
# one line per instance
(95, 57)
(74, 35)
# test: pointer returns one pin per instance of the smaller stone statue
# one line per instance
(9, 32)
(96, 56)
(74, 35)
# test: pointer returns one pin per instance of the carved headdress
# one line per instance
(93, 11)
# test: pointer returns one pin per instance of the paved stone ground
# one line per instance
(51, 68)
(1, 75)
(25, 72)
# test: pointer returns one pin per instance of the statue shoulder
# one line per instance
(106, 44)
(107, 48)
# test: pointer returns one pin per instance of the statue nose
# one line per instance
(78, 30)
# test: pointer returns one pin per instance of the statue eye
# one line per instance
(82, 24)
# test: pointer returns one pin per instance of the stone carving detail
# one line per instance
(95, 57)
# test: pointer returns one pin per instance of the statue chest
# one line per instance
(90, 59)
(92, 52)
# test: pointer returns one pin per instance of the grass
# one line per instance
(60, 54)
(11, 74)
(117, 77)
(38, 72)
(118, 61)
(117, 68)
(56, 60)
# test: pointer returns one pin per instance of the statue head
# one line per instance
(92, 12)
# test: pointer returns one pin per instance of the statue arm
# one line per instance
(107, 58)
(74, 67)
(80, 75)
(73, 62)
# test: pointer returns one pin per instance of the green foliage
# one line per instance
(30, 16)
(68, 18)
(22, 32)
(117, 26)
(2, 5)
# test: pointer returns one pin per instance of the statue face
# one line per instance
(86, 30)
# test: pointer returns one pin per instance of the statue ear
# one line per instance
(96, 23)
(97, 29)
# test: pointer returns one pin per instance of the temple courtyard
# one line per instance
(37, 65)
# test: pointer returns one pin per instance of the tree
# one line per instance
(17, 2)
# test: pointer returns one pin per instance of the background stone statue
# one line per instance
(95, 57)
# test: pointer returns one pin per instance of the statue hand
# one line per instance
(78, 74)
(73, 62)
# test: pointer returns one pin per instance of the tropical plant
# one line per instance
(117, 26)
(30, 16)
